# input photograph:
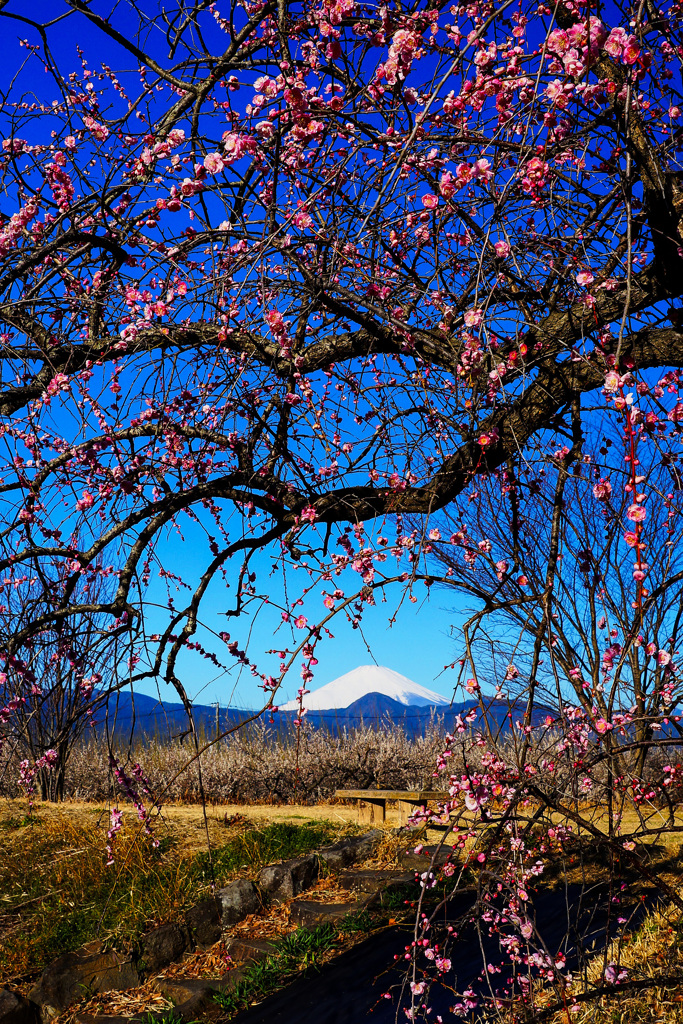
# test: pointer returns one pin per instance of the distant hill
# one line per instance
(143, 715)
(147, 716)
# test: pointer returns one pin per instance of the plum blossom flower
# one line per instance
(476, 798)
(502, 248)
(100, 131)
(447, 185)
(559, 93)
(85, 501)
(234, 146)
(473, 317)
(584, 278)
(636, 513)
(558, 41)
(612, 381)
(615, 42)
(213, 162)
(300, 622)
(465, 173)
(614, 976)
(60, 382)
(266, 85)
(631, 50)
(663, 658)
(482, 170)
(430, 202)
(602, 490)
(535, 172)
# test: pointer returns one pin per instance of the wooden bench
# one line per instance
(372, 803)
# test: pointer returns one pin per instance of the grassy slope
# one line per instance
(57, 892)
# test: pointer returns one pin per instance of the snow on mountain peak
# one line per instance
(342, 692)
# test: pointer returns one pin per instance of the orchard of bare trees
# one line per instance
(390, 294)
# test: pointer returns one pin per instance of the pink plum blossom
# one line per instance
(213, 162)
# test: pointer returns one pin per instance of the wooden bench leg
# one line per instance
(371, 810)
(405, 809)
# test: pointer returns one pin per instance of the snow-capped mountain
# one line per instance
(366, 679)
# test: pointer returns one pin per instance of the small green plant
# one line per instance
(305, 947)
(361, 922)
(169, 1017)
(298, 951)
(21, 822)
(255, 847)
(396, 897)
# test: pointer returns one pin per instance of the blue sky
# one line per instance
(419, 643)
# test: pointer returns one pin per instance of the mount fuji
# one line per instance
(364, 681)
(370, 696)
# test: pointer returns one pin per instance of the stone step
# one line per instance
(420, 861)
(78, 1017)
(309, 914)
(371, 880)
(179, 990)
(241, 949)
(193, 999)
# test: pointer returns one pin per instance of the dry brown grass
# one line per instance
(184, 824)
(653, 993)
(57, 890)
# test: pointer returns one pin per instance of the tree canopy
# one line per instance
(274, 269)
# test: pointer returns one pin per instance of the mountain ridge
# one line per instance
(343, 691)
(142, 716)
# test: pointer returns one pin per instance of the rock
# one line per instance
(75, 976)
(163, 946)
(373, 879)
(350, 851)
(249, 949)
(237, 900)
(92, 1018)
(16, 1009)
(195, 997)
(204, 923)
(309, 914)
(421, 861)
(281, 881)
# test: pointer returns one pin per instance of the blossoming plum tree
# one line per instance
(279, 275)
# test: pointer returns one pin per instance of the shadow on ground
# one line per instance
(350, 989)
